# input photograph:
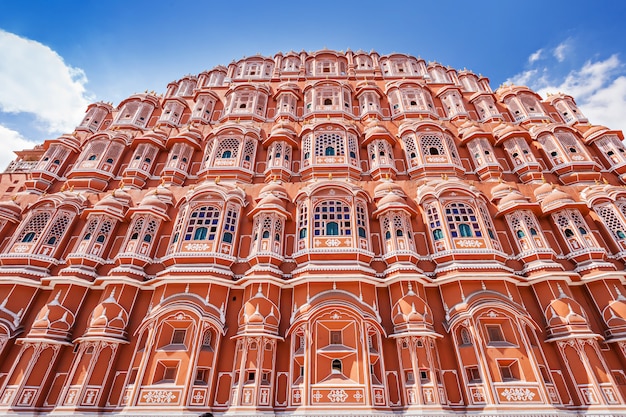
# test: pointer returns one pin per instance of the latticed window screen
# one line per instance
(274, 153)
(409, 145)
(34, 227)
(203, 224)
(361, 220)
(303, 220)
(91, 228)
(94, 151)
(380, 149)
(182, 214)
(352, 146)
(230, 224)
(491, 231)
(453, 153)
(386, 227)
(462, 221)
(398, 225)
(612, 147)
(57, 230)
(137, 228)
(434, 220)
(572, 225)
(105, 231)
(519, 151)
(570, 143)
(266, 228)
(331, 218)
(248, 150)
(432, 145)
(329, 144)
(209, 150)
(113, 152)
(228, 148)
(150, 230)
(306, 147)
(612, 220)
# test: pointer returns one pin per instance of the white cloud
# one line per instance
(36, 80)
(535, 56)
(11, 140)
(559, 51)
(599, 88)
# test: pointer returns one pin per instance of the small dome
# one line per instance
(160, 199)
(469, 129)
(501, 190)
(283, 130)
(388, 187)
(615, 313)
(411, 310)
(391, 198)
(505, 130)
(109, 313)
(260, 311)
(54, 316)
(271, 200)
(514, 197)
(555, 198)
(275, 188)
(565, 311)
(374, 130)
(10, 210)
(593, 131)
(543, 190)
(117, 202)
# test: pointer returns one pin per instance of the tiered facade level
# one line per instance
(314, 234)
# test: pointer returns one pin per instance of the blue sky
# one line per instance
(58, 56)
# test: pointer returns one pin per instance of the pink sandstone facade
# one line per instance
(318, 234)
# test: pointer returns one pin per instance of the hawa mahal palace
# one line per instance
(319, 233)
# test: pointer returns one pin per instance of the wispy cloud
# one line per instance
(559, 51)
(11, 140)
(36, 80)
(599, 87)
(535, 56)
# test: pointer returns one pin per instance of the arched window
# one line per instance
(203, 224)
(466, 339)
(330, 144)
(336, 366)
(302, 233)
(28, 237)
(226, 154)
(465, 230)
(200, 233)
(462, 221)
(437, 234)
(332, 216)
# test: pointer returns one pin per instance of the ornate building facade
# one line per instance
(316, 234)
